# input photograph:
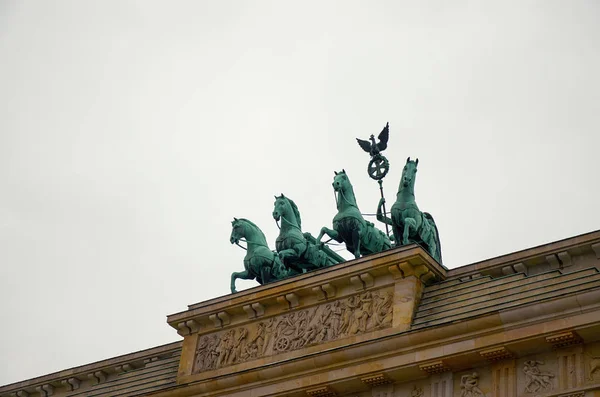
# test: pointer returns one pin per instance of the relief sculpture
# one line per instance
(345, 317)
(537, 380)
(417, 392)
(469, 385)
(594, 366)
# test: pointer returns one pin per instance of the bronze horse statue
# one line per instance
(349, 226)
(260, 262)
(409, 224)
(294, 247)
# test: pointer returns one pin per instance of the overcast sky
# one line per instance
(131, 133)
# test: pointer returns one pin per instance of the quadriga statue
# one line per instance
(260, 262)
(294, 247)
(349, 226)
(409, 224)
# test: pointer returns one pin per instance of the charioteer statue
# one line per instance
(298, 252)
(409, 224)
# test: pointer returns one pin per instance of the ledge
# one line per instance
(97, 369)
(309, 289)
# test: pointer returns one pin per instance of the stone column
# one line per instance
(504, 381)
(407, 294)
(408, 289)
(570, 367)
(441, 385)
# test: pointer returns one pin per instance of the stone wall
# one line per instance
(571, 371)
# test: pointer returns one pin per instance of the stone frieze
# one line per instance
(353, 315)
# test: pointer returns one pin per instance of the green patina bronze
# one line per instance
(260, 262)
(378, 166)
(299, 252)
(293, 246)
(349, 226)
(409, 224)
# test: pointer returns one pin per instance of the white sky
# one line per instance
(131, 133)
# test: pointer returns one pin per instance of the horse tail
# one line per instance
(431, 221)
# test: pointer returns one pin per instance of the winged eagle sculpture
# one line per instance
(372, 147)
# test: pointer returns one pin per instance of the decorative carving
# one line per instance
(45, 390)
(469, 385)
(295, 330)
(375, 380)
(564, 339)
(537, 380)
(416, 391)
(435, 367)
(254, 310)
(322, 391)
(71, 384)
(325, 291)
(123, 368)
(97, 377)
(594, 366)
(496, 354)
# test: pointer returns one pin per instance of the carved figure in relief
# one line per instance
(256, 343)
(335, 319)
(348, 314)
(382, 312)
(239, 347)
(222, 349)
(594, 366)
(469, 385)
(536, 379)
(356, 314)
(206, 356)
(416, 392)
(362, 313)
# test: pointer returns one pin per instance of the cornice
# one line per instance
(401, 355)
(73, 377)
(372, 272)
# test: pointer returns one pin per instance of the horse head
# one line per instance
(244, 228)
(237, 231)
(409, 173)
(341, 181)
(286, 208)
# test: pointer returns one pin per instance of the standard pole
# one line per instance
(387, 231)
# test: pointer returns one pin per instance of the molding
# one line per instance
(376, 380)
(97, 377)
(564, 339)
(45, 390)
(496, 354)
(434, 367)
(71, 383)
(323, 391)
(81, 372)
(314, 286)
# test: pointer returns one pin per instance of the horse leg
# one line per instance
(245, 275)
(290, 252)
(331, 233)
(408, 223)
(396, 237)
(356, 240)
